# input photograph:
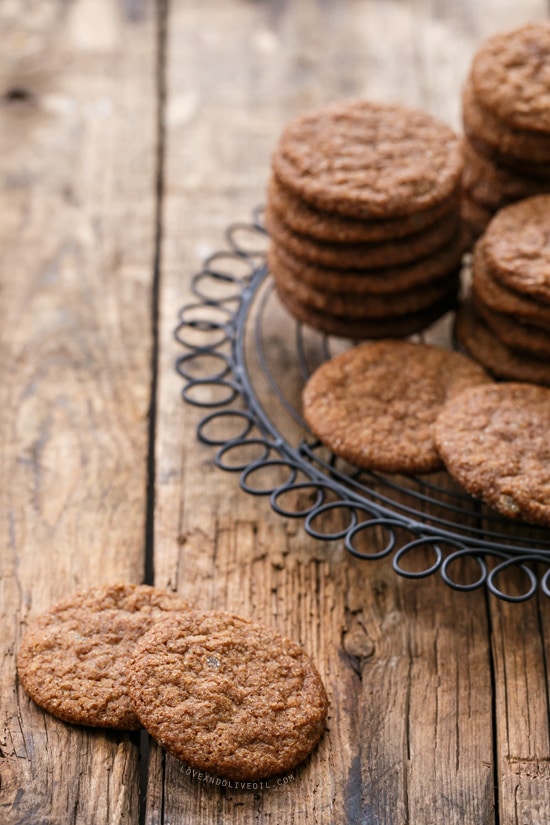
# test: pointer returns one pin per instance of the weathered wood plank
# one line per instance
(408, 665)
(77, 199)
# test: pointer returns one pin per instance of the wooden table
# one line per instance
(131, 135)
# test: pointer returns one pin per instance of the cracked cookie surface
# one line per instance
(227, 695)
(375, 404)
(369, 160)
(73, 658)
(494, 441)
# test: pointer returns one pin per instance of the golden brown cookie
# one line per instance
(511, 75)
(399, 326)
(498, 358)
(369, 160)
(326, 226)
(492, 185)
(362, 305)
(386, 281)
(73, 659)
(375, 404)
(228, 696)
(494, 441)
(481, 125)
(514, 333)
(517, 247)
(492, 292)
(363, 256)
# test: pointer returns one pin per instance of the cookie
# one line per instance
(481, 124)
(494, 441)
(352, 305)
(315, 223)
(517, 247)
(492, 292)
(385, 281)
(519, 166)
(500, 360)
(511, 75)
(227, 696)
(73, 659)
(369, 160)
(514, 333)
(375, 405)
(400, 326)
(363, 256)
(493, 186)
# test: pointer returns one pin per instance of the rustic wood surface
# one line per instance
(131, 135)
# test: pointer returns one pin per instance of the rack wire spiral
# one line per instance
(427, 526)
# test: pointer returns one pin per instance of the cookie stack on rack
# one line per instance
(506, 117)
(363, 210)
(506, 324)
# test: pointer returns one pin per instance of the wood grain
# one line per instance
(439, 699)
(409, 665)
(77, 199)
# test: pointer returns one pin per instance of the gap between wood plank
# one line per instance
(161, 7)
(162, 15)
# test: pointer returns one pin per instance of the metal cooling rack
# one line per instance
(236, 329)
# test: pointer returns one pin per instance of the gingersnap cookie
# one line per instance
(517, 247)
(499, 359)
(494, 442)
(325, 226)
(375, 405)
(363, 256)
(482, 125)
(73, 659)
(354, 305)
(492, 292)
(438, 266)
(399, 326)
(227, 696)
(492, 185)
(514, 333)
(511, 75)
(368, 160)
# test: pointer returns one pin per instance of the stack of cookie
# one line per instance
(363, 211)
(506, 325)
(506, 116)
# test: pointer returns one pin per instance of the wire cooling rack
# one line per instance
(245, 361)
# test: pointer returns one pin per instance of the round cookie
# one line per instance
(494, 441)
(363, 256)
(517, 247)
(479, 123)
(326, 226)
(73, 659)
(499, 359)
(511, 75)
(375, 404)
(400, 326)
(517, 166)
(492, 292)
(228, 696)
(384, 281)
(492, 185)
(514, 333)
(369, 160)
(353, 305)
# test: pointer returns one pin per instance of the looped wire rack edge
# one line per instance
(234, 296)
